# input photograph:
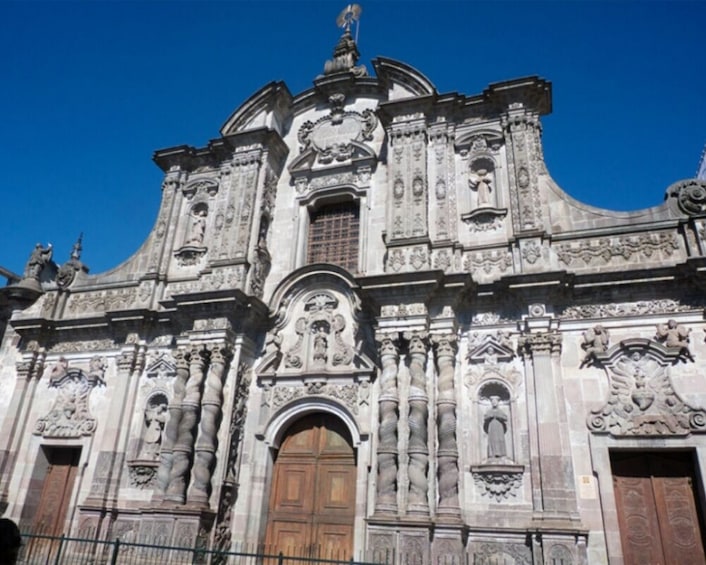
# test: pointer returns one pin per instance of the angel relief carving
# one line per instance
(642, 400)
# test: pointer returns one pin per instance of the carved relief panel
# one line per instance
(642, 400)
(70, 415)
(407, 216)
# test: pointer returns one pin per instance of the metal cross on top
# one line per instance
(350, 14)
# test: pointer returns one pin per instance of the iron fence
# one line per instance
(65, 550)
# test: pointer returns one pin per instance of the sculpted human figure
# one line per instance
(155, 418)
(675, 335)
(197, 230)
(481, 181)
(40, 256)
(495, 425)
(595, 340)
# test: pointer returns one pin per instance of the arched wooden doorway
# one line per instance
(312, 499)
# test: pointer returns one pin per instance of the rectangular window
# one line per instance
(333, 235)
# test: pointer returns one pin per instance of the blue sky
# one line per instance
(91, 89)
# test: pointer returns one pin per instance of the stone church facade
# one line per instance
(367, 318)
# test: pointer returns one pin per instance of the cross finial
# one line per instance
(350, 14)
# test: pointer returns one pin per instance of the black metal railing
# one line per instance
(64, 550)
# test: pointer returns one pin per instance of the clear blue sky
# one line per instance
(91, 89)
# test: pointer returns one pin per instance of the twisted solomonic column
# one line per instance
(418, 449)
(207, 443)
(184, 444)
(387, 431)
(171, 430)
(447, 454)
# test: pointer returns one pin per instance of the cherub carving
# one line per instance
(595, 340)
(675, 335)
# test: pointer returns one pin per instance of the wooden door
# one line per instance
(57, 489)
(657, 511)
(312, 500)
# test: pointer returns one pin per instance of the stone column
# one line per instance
(211, 412)
(171, 431)
(386, 502)
(111, 462)
(184, 444)
(552, 464)
(29, 371)
(418, 448)
(447, 453)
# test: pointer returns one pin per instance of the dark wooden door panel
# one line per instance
(56, 491)
(678, 520)
(637, 518)
(657, 511)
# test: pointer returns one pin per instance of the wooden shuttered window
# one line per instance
(334, 232)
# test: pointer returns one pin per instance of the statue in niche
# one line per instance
(39, 257)
(675, 335)
(155, 420)
(481, 181)
(197, 228)
(320, 346)
(495, 425)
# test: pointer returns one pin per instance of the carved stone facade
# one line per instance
(497, 346)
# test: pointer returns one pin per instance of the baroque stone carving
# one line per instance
(155, 417)
(347, 394)
(70, 416)
(644, 245)
(337, 136)
(67, 272)
(418, 448)
(532, 252)
(102, 301)
(617, 310)
(595, 340)
(211, 412)
(493, 553)
(38, 259)
(498, 481)
(490, 348)
(387, 455)
(447, 451)
(690, 196)
(642, 400)
(487, 261)
(546, 342)
(495, 425)
(320, 342)
(676, 336)
(142, 476)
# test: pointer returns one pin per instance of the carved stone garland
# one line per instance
(446, 425)
(387, 431)
(418, 414)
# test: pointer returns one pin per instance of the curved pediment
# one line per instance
(266, 108)
(402, 81)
